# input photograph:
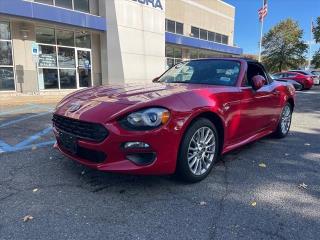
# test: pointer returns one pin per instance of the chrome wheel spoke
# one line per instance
(193, 162)
(285, 120)
(201, 150)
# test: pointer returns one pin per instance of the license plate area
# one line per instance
(69, 142)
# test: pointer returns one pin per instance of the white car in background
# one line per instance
(316, 73)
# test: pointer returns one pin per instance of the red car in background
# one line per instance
(179, 124)
(301, 77)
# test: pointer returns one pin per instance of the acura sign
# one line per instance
(153, 3)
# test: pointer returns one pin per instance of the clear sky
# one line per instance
(247, 28)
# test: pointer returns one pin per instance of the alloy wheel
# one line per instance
(286, 119)
(201, 150)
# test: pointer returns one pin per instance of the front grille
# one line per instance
(83, 130)
(86, 154)
(91, 155)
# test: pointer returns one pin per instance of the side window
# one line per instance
(278, 75)
(253, 70)
(291, 75)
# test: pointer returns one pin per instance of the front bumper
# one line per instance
(308, 84)
(164, 144)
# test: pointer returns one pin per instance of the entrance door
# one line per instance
(84, 65)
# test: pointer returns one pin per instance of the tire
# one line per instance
(198, 151)
(284, 122)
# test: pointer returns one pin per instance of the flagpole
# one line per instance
(261, 34)
(310, 43)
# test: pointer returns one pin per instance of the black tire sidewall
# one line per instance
(183, 171)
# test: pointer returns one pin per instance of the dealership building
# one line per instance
(55, 45)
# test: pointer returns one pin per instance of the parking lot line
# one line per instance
(33, 137)
(29, 106)
(4, 145)
(23, 118)
(9, 149)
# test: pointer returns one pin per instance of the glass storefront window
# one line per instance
(179, 28)
(83, 40)
(173, 56)
(171, 26)
(47, 56)
(64, 3)
(84, 77)
(45, 1)
(6, 79)
(81, 5)
(225, 39)
(5, 53)
(170, 62)
(84, 68)
(68, 78)
(48, 78)
(5, 31)
(169, 52)
(84, 60)
(211, 36)
(195, 32)
(65, 38)
(218, 38)
(202, 54)
(78, 5)
(177, 53)
(194, 54)
(203, 34)
(66, 57)
(6, 61)
(45, 35)
(63, 62)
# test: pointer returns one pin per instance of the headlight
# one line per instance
(147, 119)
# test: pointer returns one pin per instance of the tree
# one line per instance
(316, 33)
(316, 59)
(283, 46)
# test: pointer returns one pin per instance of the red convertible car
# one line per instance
(180, 123)
(305, 79)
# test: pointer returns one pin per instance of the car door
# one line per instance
(259, 108)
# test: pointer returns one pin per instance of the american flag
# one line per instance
(263, 11)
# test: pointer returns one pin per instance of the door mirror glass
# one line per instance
(258, 81)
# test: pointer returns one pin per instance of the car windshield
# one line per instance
(316, 73)
(211, 71)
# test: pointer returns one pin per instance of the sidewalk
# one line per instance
(17, 99)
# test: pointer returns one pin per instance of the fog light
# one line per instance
(135, 145)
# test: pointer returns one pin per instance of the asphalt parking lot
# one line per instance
(269, 189)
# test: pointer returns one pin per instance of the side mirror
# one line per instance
(155, 79)
(258, 81)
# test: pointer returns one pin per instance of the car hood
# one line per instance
(104, 103)
(130, 94)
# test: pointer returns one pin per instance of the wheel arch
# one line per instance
(291, 102)
(215, 119)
